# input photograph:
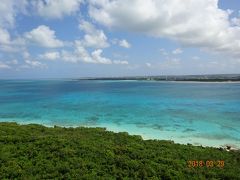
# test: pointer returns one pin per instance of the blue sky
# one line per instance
(77, 38)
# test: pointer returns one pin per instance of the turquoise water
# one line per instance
(197, 113)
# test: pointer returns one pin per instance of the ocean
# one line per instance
(205, 114)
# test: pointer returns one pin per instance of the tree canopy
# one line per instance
(37, 152)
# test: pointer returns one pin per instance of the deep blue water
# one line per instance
(205, 113)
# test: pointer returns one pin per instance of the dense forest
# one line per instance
(38, 152)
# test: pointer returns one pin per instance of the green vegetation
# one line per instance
(37, 152)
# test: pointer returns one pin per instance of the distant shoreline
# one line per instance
(173, 78)
(180, 81)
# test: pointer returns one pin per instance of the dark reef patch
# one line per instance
(188, 130)
(216, 136)
(91, 120)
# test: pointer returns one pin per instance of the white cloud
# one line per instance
(56, 8)
(26, 54)
(163, 52)
(34, 64)
(177, 51)
(4, 36)
(195, 58)
(133, 66)
(9, 10)
(120, 62)
(5, 40)
(174, 61)
(94, 37)
(235, 21)
(81, 54)
(50, 55)
(148, 64)
(121, 42)
(87, 27)
(69, 56)
(170, 63)
(97, 56)
(118, 55)
(12, 62)
(30, 62)
(8, 44)
(198, 23)
(230, 11)
(43, 36)
(4, 66)
(124, 43)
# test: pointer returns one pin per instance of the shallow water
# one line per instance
(196, 113)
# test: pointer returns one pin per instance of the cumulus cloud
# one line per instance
(4, 36)
(199, 23)
(235, 21)
(54, 55)
(33, 64)
(9, 10)
(163, 52)
(121, 42)
(25, 54)
(171, 62)
(149, 65)
(120, 62)
(177, 51)
(4, 65)
(12, 62)
(229, 11)
(196, 58)
(94, 37)
(8, 44)
(5, 40)
(124, 43)
(81, 54)
(30, 62)
(56, 8)
(97, 56)
(43, 36)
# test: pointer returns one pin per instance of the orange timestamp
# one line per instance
(207, 163)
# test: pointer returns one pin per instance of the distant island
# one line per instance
(197, 78)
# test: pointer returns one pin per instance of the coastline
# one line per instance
(149, 134)
(210, 82)
(176, 137)
(175, 78)
(162, 81)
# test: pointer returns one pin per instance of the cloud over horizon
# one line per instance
(198, 23)
(157, 36)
